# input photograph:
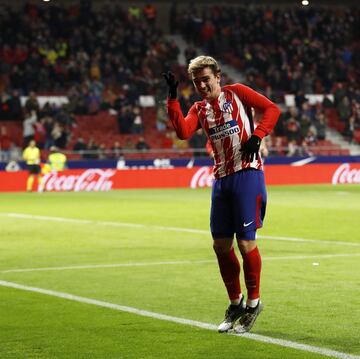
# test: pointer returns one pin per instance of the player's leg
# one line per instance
(29, 182)
(252, 272)
(230, 272)
(249, 211)
(222, 231)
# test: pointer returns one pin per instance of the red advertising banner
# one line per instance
(95, 179)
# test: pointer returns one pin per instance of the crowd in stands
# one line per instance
(286, 48)
(103, 59)
(298, 50)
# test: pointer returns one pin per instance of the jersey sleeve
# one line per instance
(270, 112)
(184, 126)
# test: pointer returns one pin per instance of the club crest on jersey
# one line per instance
(227, 107)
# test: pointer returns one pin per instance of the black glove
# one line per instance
(172, 84)
(250, 149)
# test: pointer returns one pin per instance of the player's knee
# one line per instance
(222, 246)
(246, 246)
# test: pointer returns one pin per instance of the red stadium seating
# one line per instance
(14, 130)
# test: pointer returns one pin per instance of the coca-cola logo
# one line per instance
(344, 174)
(89, 180)
(203, 177)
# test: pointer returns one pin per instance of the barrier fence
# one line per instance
(105, 179)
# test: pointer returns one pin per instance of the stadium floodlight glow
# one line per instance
(305, 2)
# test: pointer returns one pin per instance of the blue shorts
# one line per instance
(238, 204)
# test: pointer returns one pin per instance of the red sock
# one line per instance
(252, 270)
(230, 272)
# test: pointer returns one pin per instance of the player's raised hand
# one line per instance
(250, 149)
(172, 83)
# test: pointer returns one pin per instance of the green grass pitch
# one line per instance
(151, 250)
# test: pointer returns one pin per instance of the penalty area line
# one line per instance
(161, 228)
(193, 323)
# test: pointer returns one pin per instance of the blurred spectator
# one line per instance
(91, 150)
(102, 152)
(28, 126)
(149, 11)
(277, 147)
(59, 135)
(40, 133)
(48, 123)
(15, 106)
(177, 143)
(129, 144)
(5, 144)
(142, 145)
(309, 141)
(116, 151)
(32, 104)
(15, 152)
(126, 120)
(320, 126)
(198, 143)
(161, 117)
(79, 145)
(293, 148)
(304, 124)
(167, 140)
(5, 109)
(137, 126)
(293, 129)
(344, 109)
(350, 129)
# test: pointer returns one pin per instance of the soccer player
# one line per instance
(31, 155)
(238, 199)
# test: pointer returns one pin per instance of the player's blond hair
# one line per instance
(201, 62)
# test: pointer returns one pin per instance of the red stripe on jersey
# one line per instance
(258, 209)
(226, 124)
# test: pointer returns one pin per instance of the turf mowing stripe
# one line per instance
(145, 313)
(143, 264)
(162, 228)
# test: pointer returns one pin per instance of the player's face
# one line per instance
(207, 84)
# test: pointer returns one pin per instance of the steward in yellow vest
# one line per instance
(56, 159)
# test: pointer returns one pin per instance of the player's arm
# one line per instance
(184, 126)
(270, 112)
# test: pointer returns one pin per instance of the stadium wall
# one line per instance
(99, 179)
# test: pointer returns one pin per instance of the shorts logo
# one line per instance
(227, 107)
(225, 130)
(247, 224)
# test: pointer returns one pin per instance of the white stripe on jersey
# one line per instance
(244, 117)
(210, 119)
(232, 123)
(229, 116)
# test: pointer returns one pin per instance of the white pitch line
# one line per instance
(144, 264)
(163, 228)
(114, 265)
(193, 323)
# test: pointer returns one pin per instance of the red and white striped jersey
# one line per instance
(228, 123)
